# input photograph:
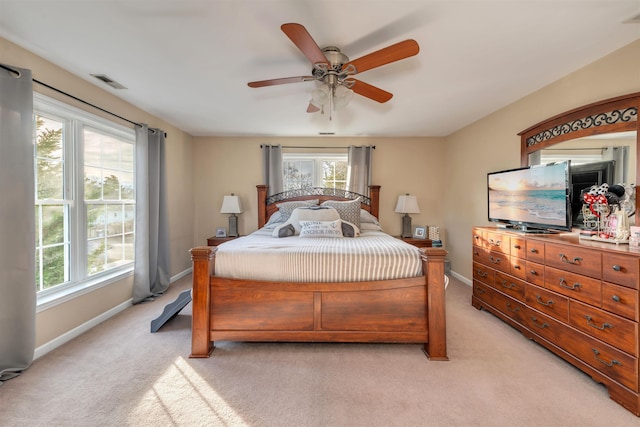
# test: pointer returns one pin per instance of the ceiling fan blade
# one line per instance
(281, 81)
(312, 108)
(370, 91)
(303, 40)
(389, 54)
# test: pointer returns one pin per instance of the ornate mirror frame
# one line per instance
(619, 114)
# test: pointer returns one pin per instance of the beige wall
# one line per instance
(64, 317)
(492, 143)
(233, 165)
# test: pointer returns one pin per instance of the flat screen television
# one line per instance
(583, 177)
(533, 199)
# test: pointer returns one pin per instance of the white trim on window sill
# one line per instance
(56, 298)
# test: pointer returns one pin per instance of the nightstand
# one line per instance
(215, 241)
(420, 243)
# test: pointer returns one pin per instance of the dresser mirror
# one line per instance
(598, 138)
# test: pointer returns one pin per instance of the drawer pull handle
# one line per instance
(616, 298)
(513, 310)
(508, 285)
(495, 242)
(593, 325)
(573, 287)
(494, 260)
(517, 267)
(546, 304)
(535, 322)
(482, 274)
(533, 272)
(533, 251)
(480, 291)
(616, 267)
(604, 362)
(517, 246)
(576, 260)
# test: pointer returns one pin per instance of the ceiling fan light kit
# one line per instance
(334, 71)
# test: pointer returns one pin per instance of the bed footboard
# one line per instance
(402, 310)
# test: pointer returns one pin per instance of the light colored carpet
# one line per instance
(120, 374)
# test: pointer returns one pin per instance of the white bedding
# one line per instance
(374, 255)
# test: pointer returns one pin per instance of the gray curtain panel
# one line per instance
(17, 228)
(359, 170)
(272, 168)
(151, 274)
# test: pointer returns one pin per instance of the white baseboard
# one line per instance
(461, 278)
(75, 332)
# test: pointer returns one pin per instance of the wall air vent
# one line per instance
(108, 80)
(326, 133)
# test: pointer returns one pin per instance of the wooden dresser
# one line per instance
(579, 299)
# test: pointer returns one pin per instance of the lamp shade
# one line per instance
(231, 204)
(407, 204)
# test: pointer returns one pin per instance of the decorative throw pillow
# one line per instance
(285, 208)
(284, 230)
(321, 228)
(312, 213)
(275, 219)
(349, 230)
(349, 210)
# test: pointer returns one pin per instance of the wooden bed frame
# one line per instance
(408, 310)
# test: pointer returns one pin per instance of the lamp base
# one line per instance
(233, 225)
(406, 226)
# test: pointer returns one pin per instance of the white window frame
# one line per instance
(317, 159)
(75, 120)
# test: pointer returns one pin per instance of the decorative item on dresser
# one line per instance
(577, 298)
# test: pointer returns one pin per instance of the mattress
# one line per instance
(374, 255)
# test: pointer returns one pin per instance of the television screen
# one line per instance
(535, 198)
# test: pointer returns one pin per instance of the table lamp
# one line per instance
(231, 205)
(407, 204)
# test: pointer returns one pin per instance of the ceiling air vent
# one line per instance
(108, 80)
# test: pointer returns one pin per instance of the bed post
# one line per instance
(262, 205)
(433, 267)
(374, 196)
(203, 263)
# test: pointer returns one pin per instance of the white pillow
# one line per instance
(370, 226)
(321, 228)
(367, 218)
(312, 214)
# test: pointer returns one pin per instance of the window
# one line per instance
(85, 201)
(314, 170)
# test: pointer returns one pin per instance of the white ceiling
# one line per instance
(189, 61)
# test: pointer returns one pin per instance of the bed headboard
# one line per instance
(267, 205)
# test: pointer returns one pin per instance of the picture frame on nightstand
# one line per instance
(221, 232)
(419, 232)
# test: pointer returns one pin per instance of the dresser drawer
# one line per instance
(621, 269)
(518, 247)
(535, 251)
(613, 363)
(497, 242)
(620, 300)
(480, 254)
(510, 285)
(551, 303)
(586, 289)
(518, 267)
(503, 303)
(483, 273)
(535, 273)
(615, 330)
(478, 237)
(575, 259)
(499, 261)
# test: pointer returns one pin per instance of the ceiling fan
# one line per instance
(334, 69)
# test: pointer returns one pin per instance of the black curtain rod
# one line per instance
(76, 98)
(316, 147)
